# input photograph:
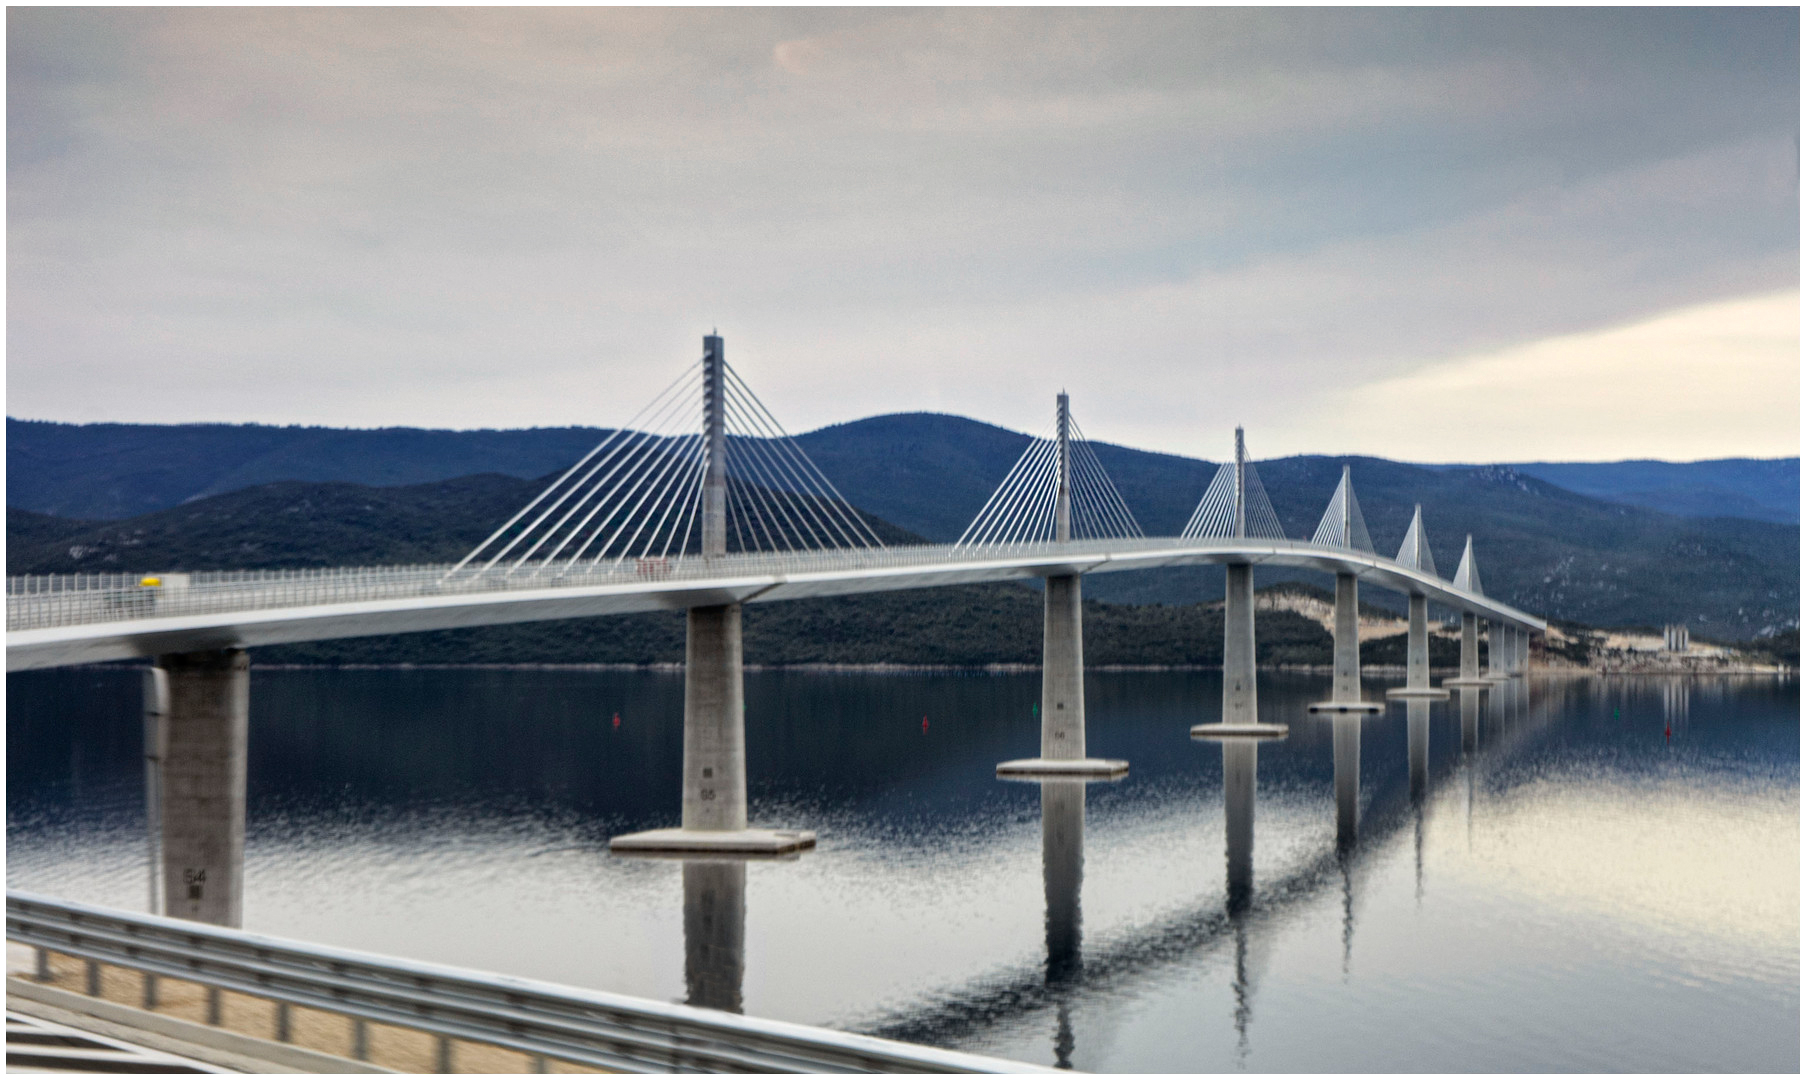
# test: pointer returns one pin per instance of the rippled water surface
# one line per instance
(1582, 874)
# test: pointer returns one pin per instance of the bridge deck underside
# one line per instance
(261, 624)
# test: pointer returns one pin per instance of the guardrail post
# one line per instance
(93, 967)
(203, 766)
(360, 1038)
(43, 972)
(444, 1063)
(282, 1023)
(213, 1005)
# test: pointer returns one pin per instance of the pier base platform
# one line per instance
(1425, 693)
(1347, 707)
(1239, 731)
(1063, 768)
(713, 842)
(1468, 683)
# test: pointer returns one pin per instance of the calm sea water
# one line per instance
(1584, 874)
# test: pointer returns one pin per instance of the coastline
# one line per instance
(675, 668)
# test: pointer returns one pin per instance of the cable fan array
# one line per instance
(1025, 507)
(1342, 525)
(639, 493)
(1235, 504)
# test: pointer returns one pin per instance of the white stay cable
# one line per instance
(831, 494)
(611, 437)
(662, 504)
(649, 483)
(637, 460)
(1021, 481)
(626, 452)
(1009, 480)
(771, 469)
(1040, 488)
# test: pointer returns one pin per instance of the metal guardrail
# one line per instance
(43, 601)
(609, 1031)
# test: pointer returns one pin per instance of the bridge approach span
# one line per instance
(124, 621)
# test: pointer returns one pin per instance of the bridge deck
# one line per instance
(55, 621)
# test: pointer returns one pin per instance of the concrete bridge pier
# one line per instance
(1497, 647)
(714, 778)
(1063, 693)
(1417, 656)
(714, 768)
(1063, 647)
(199, 707)
(1241, 710)
(1345, 688)
(1470, 654)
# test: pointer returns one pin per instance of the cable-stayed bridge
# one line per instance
(703, 502)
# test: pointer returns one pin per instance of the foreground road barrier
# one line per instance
(545, 1021)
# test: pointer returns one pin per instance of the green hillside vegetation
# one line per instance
(1541, 548)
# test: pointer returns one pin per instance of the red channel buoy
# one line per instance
(617, 719)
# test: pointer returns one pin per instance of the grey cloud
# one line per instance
(496, 208)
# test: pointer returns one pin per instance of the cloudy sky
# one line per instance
(1452, 235)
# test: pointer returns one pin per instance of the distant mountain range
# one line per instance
(144, 497)
(121, 470)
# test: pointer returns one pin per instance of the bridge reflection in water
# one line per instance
(714, 933)
(1247, 915)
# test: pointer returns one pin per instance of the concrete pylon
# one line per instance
(1417, 655)
(1498, 649)
(1520, 652)
(201, 737)
(1470, 654)
(1345, 687)
(714, 440)
(1063, 652)
(714, 768)
(1414, 554)
(1241, 705)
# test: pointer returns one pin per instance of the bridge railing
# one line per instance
(36, 602)
(589, 1027)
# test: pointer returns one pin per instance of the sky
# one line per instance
(1432, 235)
